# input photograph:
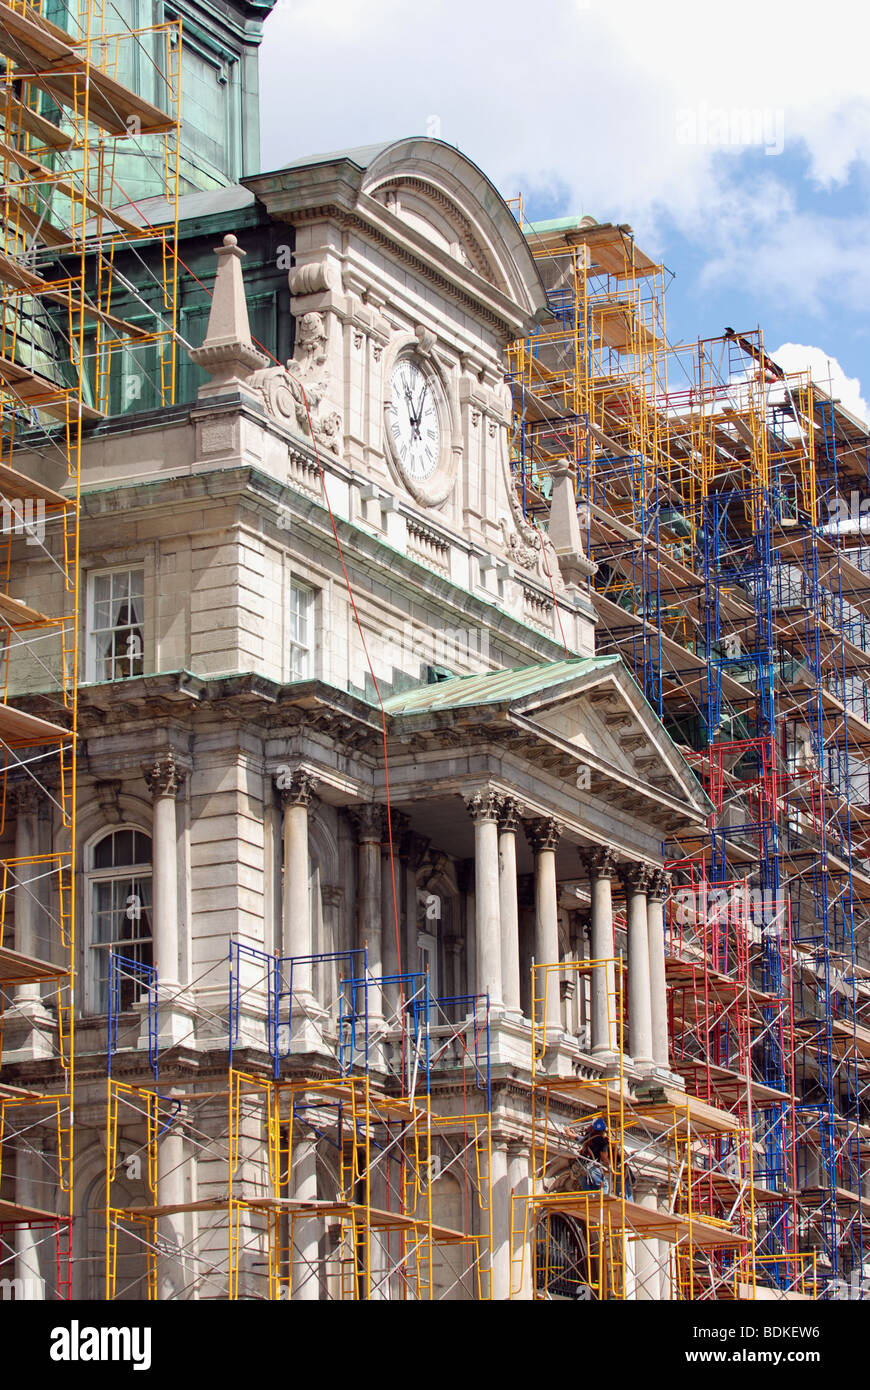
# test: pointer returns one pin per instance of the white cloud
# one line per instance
(827, 373)
(614, 110)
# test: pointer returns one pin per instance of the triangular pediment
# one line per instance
(605, 718)
(564, 715)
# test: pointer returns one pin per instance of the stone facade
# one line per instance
(301, 607)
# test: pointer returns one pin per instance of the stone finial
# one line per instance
(227, 352)
(564, 527)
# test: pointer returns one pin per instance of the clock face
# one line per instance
(412, 419)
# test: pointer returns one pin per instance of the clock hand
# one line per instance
(420, 406)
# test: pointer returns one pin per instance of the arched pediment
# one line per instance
(443, 196)
(445, 206)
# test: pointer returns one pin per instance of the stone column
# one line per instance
(26, 805)
(453, 953)
(468, 909)
(659, 889)
(637, 879)
(369, 820)
(332, 896)
(413, 851)
(390, 909)
(501, 1221)
(526, 896)
(171, 1192)
(508, 824)
(518, 1181)
(30, 1030)
(165, 779)
(575, 1004)
(647, 1277)
(29, 1193)
(604, 1029)
(296, 789)
(543, 835)
(483, 808)
(306, 1233)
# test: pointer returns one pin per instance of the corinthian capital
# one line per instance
(601, 862)
(483, 805)
(295, 786)
(164, 776)
(509, 812)
(369, 820)
(23, 798)
(544, 832)
(660, 887)
(637, 878)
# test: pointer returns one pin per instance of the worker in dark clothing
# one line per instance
(603, 1173)
(595, 1148)
(595, 1143)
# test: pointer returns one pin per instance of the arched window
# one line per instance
(130, 1271)
(562, 1257)
(118, 912)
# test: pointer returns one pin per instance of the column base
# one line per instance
(309, 1026)
(175, 1025)
(29, 1032)
(652, 1071)
(509, 1037)
(643, 1066)
(606, 1059)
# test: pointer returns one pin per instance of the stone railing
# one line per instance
(427, 546)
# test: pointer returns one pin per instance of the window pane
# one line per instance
(301, 609)
(120, 917)
(117, 624)
(121, 848)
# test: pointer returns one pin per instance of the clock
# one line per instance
(413, 420)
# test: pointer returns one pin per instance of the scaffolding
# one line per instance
(319, 1151)
(621, 1218)
(721, 502)
(70, 132)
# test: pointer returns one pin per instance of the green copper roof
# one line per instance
(556, 224)
(495, 687)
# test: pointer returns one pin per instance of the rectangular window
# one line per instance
(301, 633)
(116, 610)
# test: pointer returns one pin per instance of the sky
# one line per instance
(734, 139)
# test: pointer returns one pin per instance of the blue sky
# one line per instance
(735, 140)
